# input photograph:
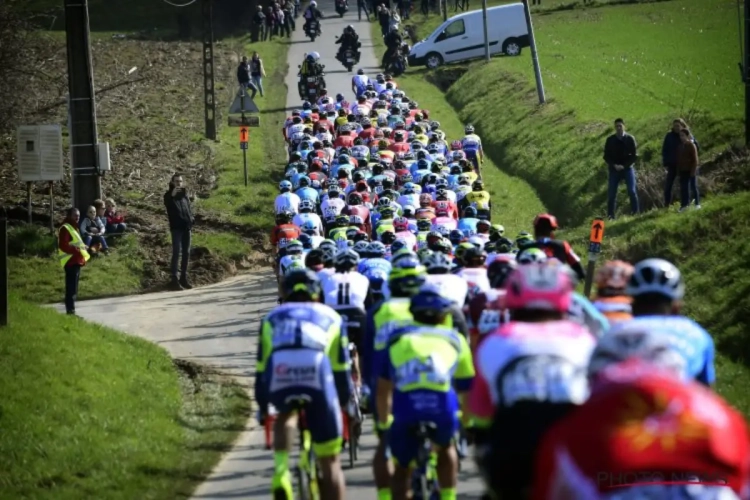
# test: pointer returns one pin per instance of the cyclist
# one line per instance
(292, 257)
(307, 214)
(302, 353)
(473, 271)
(544, 239)
(657, 290)
(332, 206)
(611, 299)
(530, 373)
(471, 145)
(346, 291)
(338, 233)
(439, 274)
(311, 230)
(487, 310)
(286, 200)
(328, 249)
(644, 425)
(468, 223)
(479, 199)
(423, 378)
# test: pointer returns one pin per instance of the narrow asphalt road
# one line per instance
(217, 325)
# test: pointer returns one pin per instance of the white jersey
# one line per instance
(294, 128)
(409, 199)
(287, 201)
(360, 81)
(476, 279)
(325, 273)
(346, 290)
(491, 257)
(324, 136)
(332, 208)
(543, 362)
(451, 286)
(300, 219)
(289, 262)
(316, 240)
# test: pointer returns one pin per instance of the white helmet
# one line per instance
(656, 276)
(313, 3)
(437, 261)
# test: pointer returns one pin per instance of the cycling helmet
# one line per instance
(384, 203)
(346, 258)
(504, 245)
(303, 282)
(477, 185)
(398, 245)
(441, 194)
(355, 199)
(285, 186)
(342, 220)
(523, 238)
(376, 249)
(538, 286)
(294, 247)
(456, 236)
(469, 129)
(470, 212)
(545, 222)
(309, 227)
(306, 206)
(284, 217)
(424, 225)
(407, 276)
(656, 276)
(437, 262)
(499, 271)
(430, 304)
(474, 256)
(388, 237)
(408, 211)
(401, 224)
(531, 256)
(613, 277)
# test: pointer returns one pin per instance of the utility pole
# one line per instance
(746, 73)
(81, 106)
(534, 54)
(486, 35)
(444, 9)
(209, 97)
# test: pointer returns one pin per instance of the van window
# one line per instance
(456, 28)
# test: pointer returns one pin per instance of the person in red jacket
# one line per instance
(73, 255)
(115, 221)
(345, 139)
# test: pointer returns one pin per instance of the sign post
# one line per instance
(3, 272)
(244, 136)
(595, 248)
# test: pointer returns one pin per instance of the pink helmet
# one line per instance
(539, 286)
(401, 224)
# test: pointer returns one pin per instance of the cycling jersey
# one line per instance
(478, 199)
(338, 234)
(308, 193)
(289, 262)
(451, 286)
(468, 226)
(615, 308)
(476, 279)
(287, 201)
(302, 353)
(583, 311)
(560, 250)
(645, 427)
(345, 290)
(283, 234)
(331, 208)
(446, 206)
(408, 238)
(446, 222)
(300, 219)
(427, 366)
(471, 145)
(681, 335)
(487, 312)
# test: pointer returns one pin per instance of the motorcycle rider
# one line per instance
(310, 67)
(393, 41)
(348, 40)
(312, 14)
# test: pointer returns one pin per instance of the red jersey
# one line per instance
(361, 211)
(399, 147)
(367, 134)
(643, 425)
(487, 312)
(317, 176)
(326, 124)
(344, 141)
(425, 213)
(447, 207)
(283, 234)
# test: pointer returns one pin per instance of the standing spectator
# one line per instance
(258, 27)
(362, 6)
(424, 6)
(671, 144)
(278, 20)
(285, 27)
(257, 72)
(115, 222)
(270, 23)
(620, 153)
(72, 254)
(394, 20)
(384, 18)
(92, 230)
(687, 166)
(181, 220)
(243, 77)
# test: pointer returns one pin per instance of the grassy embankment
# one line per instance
(647, 63)
(88, 412)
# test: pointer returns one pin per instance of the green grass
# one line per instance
(35, 273)
(87, 412)
(253, 205)
(227, 246)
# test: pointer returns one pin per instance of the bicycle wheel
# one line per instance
(303, 484)
(352, 444)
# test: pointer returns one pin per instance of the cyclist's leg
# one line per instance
(447, 458)
(326, 427)
(404, 447)
(285, 426)
(382, 468)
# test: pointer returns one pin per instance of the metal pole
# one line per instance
(244, 162)
(747, 72)
(590, 267)
(534, 54)
(486, 35)
(208, 70)
(3, 272)
(51, 208)
(82, 106)
(444, 8)
(28, 201)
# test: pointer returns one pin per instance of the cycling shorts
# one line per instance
(509, 450)
(403, 441)
(293, 374)
(355, 324)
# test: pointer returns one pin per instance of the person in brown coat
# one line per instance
(687, 168)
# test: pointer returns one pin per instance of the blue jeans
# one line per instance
(116, 228)
(628, 175)
(689, 186)
(258, 81)
(93, 240)
(181, 239)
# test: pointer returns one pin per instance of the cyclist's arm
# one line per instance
(341, 364)
(707, 376)
(459, 320)
(368, 345)
(384, 396)
(464, 374)
(264, 350)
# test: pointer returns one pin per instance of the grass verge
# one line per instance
(88, 412)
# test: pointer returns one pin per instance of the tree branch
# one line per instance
(102, 90)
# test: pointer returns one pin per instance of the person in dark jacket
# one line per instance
(671, 144)
(687, 167)
(73, 255)
(243, 77)
(180, 215)
(620, 154)
(258, 27)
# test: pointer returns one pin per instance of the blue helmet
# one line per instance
(376, 249)
(429, 303)
(306, 241)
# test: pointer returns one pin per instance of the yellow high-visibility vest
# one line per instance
(76, 241)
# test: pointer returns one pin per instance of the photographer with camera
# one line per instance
(180, 214)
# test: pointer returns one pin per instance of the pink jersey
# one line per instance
(409, 238)
(445, 222)
(543, 362)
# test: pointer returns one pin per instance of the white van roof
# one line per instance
(489, 9)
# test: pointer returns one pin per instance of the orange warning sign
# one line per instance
(244, 134)
(597, 231)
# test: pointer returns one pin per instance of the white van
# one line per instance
(462, 37)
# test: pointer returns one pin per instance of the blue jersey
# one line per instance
(586, 313)
(468, 226)
(686, 337)
(308, 193)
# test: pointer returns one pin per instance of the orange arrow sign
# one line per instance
(597, 231)
(244, 134)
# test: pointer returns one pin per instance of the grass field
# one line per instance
(88, 412)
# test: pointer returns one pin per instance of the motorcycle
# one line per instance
(398, 63)
(349, 59)
(341, 7)
(312, 30)
(310, 88)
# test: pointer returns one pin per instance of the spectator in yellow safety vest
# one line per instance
(73, 255)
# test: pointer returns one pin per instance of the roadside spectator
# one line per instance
(180, 215)
(115, 222)
(72, 254)
(278, 20)
(687, 166)
(270, 23)
(394, 20)
(258, 26)
(243, 77)
(671, 144)
(257, 72)
(384, 18)
(92, 230)
(362, 6)
(620, 154)
(288, 11)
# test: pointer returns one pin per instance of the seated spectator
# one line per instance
(115, 221)
(92, 230)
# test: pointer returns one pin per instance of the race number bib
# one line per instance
(543, 378)
(489, 321)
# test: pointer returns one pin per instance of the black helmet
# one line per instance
(303, 282)
(499, 270)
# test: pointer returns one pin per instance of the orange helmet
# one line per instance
(549, 218)
(613, 277)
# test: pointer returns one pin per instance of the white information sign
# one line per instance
(40, 153)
